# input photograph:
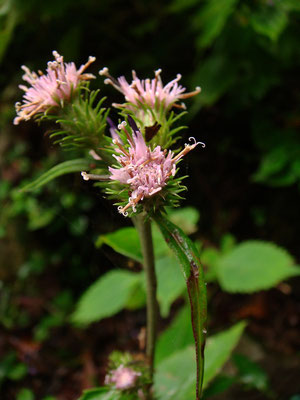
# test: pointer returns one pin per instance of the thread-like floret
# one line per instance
(50, 89)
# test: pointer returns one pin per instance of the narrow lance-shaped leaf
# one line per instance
(66, 167)
(188, 257)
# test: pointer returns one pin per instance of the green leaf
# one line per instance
(269, 21)
(187, 218)
(106, 297)
(18, 372)
(170, 282)
(175, 375)
(105, 393)
(188, 257)
(254, 265)
(124, 241)
(212, 18)
(250, 373)
(65, 167)
(219, 348)
(137, 298)
(102, 393)
(170, 286)
(219, 385)
(93, 394)
(271, 163)
(25, 394)
(209, 258)
(178, 336)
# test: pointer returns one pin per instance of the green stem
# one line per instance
(143, 226)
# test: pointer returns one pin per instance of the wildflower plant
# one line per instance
(134, 163)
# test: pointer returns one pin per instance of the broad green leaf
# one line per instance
(210, 257)
(219, 385)
(212, 18)
(18, 372)
(219, 348)
(170, 285)
(94, 394)
(124, 241)
(254, 265)
(137, 297)
(271, 163)
(227, 243)
(188, 258)
(25, 394)
(106, 297)
(175, 375)
(250, 373)
(65, 167)
(187, 218)
(105, 393)
(161, 249)
(270, 21)
(178, 336)
(170, 282)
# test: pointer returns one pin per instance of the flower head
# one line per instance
(151, 93)
(50, 89)
(122, 378)
(145, 171)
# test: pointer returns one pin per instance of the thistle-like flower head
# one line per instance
(150, 92)
(50, 89)
(122, 378)
(143, 170)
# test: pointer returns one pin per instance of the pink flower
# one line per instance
(146, 171)
(151, 93)
(51, 89)
(123, 378)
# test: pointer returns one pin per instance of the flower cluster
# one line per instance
(145, 171)
(150, 93)
(50, 89)
(122, 378)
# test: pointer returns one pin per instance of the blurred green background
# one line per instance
(245, 55)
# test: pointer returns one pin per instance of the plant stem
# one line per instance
(143, 226)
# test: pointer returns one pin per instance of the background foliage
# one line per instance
(245, 186)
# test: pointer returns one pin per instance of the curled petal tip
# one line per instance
(104, 71)
(195, 142)
(85, 176)
(122, 125)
